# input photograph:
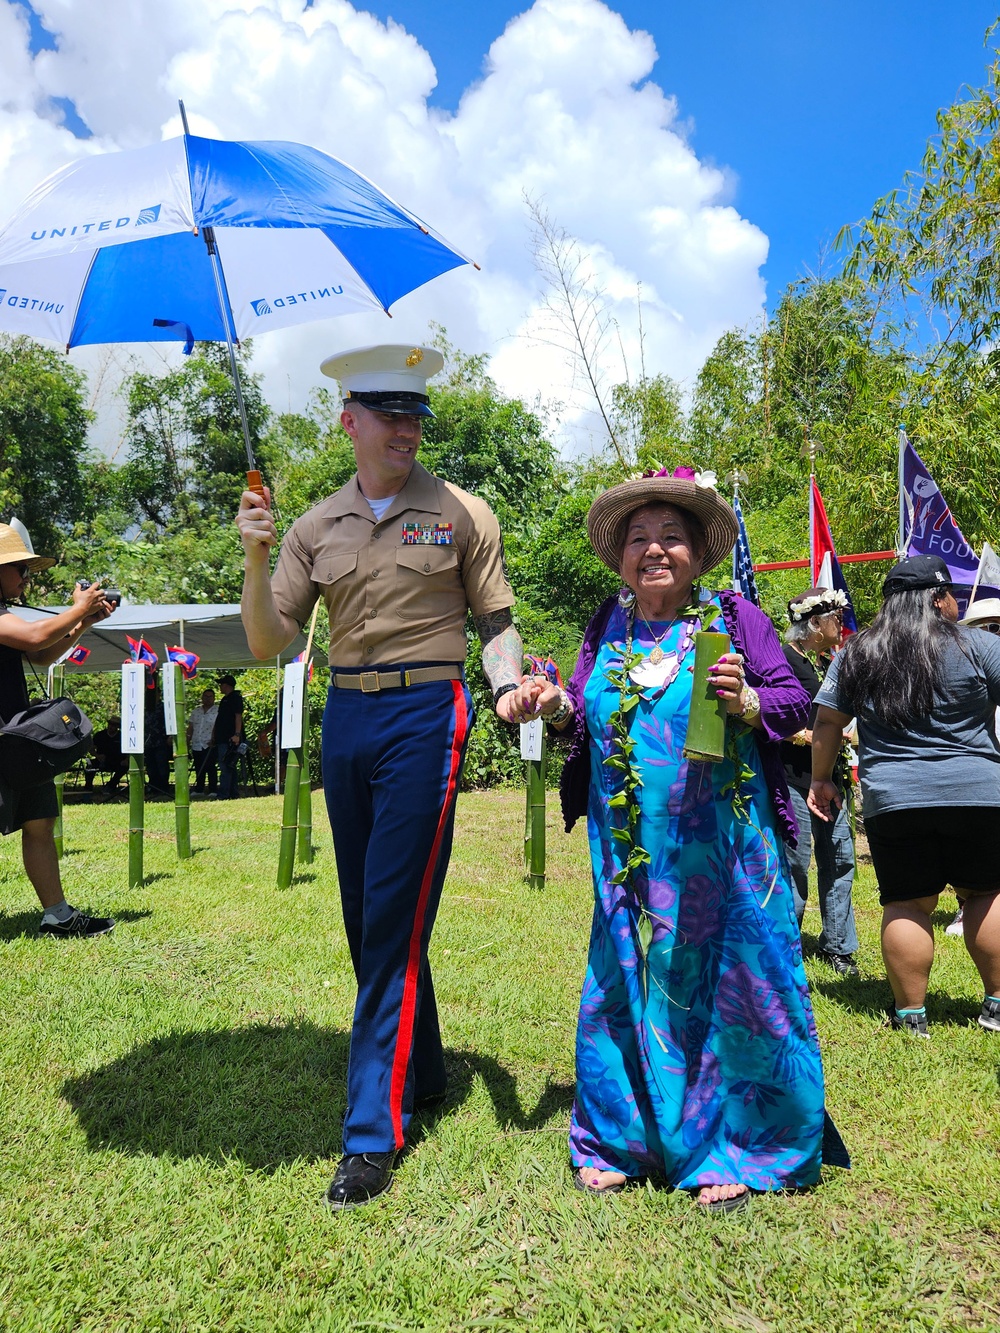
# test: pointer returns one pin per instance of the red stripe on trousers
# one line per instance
(408, 1008)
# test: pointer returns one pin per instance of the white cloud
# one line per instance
(565, 111)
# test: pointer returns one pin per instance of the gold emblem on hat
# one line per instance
(415, 357)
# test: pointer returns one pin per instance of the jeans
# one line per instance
(228, 760)
(833, 847)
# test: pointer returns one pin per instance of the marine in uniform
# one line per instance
(399, 557)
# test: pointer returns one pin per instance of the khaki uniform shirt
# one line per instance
(392, 600)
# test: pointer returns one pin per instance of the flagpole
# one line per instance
(901, 542)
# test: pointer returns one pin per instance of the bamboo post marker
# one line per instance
(706, 731)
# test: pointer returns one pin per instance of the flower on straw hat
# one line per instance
(686, 489)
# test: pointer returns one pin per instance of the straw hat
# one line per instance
(14, 551)
(686, 489)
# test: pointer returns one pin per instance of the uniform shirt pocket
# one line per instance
(428, 583)
(336, 576)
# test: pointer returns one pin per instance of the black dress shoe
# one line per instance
(842, 963)
(360, 1177)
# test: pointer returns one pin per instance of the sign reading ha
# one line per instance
(36, 303)
(267, 305)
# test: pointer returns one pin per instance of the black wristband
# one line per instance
(498, 694)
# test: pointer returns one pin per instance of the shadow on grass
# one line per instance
(265, 1095)
(863, 995)
(25, 924)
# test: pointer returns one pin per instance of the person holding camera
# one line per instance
(229, 737)
(33, 810)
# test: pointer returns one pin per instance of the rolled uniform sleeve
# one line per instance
(484, 577)
(292, 584)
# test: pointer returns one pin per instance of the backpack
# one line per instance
(45, 739)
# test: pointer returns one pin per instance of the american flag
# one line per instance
(743, 576)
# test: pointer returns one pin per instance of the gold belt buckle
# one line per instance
(369, 682)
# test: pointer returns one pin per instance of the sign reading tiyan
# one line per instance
(291, 706)
(133, 708)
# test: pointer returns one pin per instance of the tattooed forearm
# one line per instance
(502, 659)
(492, 624)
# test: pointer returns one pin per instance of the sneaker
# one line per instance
(955, 926)
(989, 1016)
(915, 1025)
(77, 926)
(842, 963)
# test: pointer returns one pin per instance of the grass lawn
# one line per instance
(170, 1102)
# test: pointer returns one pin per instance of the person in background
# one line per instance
(158, 747)
(816, 623)
(107, 756)
(228, 733)
(983, 614)
(925, 695)
(200, 730)
(34, 809)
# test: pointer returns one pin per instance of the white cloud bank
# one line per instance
(564, 112)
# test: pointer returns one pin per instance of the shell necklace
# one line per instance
(658, 669)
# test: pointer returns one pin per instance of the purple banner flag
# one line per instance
(926, 524)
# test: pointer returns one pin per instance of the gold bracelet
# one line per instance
(800, 738)
(750, 711)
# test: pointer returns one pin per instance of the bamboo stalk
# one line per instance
(706, 729)
(136, 813)
(182, 773)
(289, 818)
(535, 821)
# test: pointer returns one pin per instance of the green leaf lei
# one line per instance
(626, 798)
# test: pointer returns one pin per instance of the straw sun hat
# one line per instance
(14, 551)
(686, 489)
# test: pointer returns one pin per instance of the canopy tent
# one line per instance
(215, 633)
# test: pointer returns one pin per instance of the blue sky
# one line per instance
(818, 108)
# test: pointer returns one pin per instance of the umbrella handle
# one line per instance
(255, 483)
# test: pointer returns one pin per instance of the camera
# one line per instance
(111, 595)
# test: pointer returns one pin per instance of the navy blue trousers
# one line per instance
(391, 767)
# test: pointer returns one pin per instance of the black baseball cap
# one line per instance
(920, 571)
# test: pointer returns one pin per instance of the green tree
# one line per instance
(43, 440)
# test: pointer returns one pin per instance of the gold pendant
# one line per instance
(656, 656)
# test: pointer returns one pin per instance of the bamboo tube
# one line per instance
(136, 797)
(289, 818)
(182, 783)
(305, 851)
(535, 821)
(706, 731)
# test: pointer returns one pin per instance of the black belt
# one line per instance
(373, 682)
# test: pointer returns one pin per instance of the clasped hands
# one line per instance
(535, 697)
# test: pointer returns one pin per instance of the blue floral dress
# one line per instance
(697, 1055)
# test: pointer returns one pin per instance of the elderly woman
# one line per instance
(697, 1056)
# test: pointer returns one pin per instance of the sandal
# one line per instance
(581, 1184)
(734, 1204)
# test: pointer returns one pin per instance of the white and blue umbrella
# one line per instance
(118, 247)
(208, 240)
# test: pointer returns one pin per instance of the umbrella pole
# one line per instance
(254, 480)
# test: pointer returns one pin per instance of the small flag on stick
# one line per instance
(301, 657)
(78, 655)
(187, 661)
(141, 652)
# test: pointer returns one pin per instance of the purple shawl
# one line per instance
(784, 705)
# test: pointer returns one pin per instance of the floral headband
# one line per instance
(707, 480)
(818, 604)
